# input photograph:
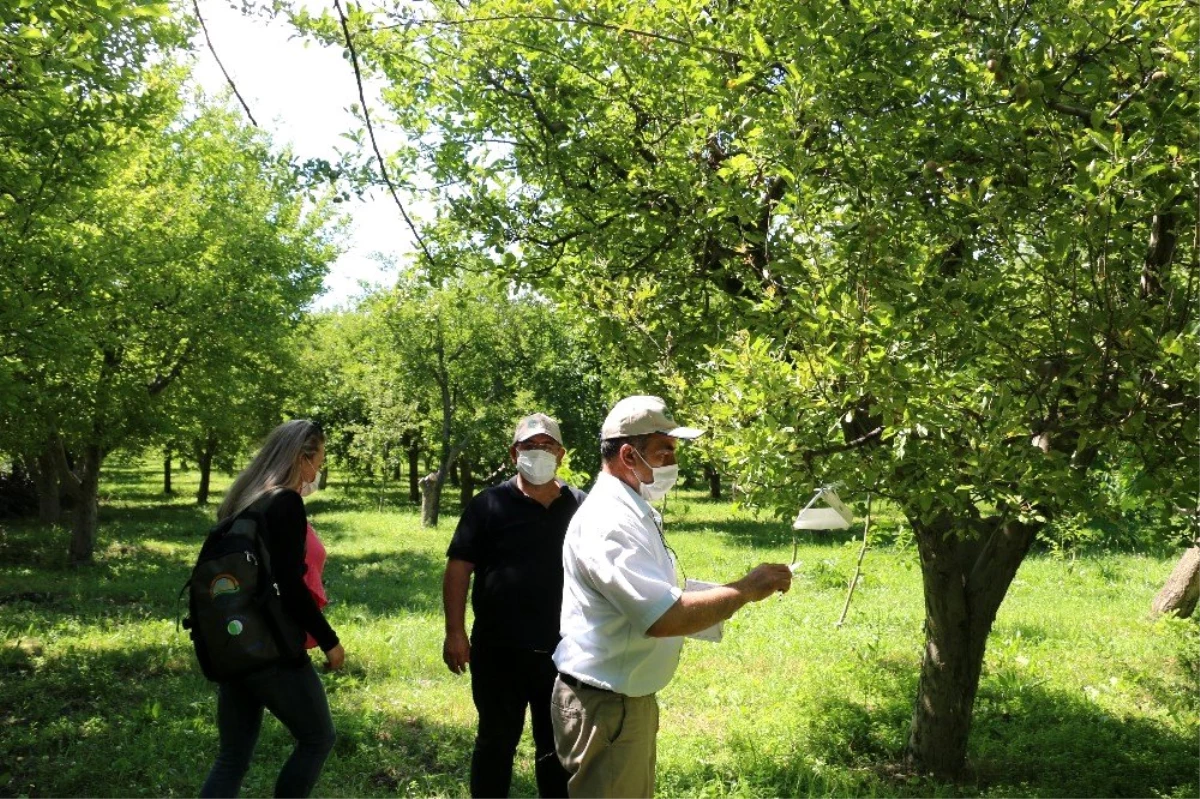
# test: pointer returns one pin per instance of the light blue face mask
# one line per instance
(308, 488)
(664, 480)
(537, 466)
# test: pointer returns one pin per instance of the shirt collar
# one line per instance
(516, 489)
(619, 490)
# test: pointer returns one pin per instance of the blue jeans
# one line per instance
(295, 695)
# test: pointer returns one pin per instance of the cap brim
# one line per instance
(685, 432)
(528, 436)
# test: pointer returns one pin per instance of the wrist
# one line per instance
(742, 594)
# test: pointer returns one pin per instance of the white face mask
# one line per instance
(537, 466)
(664, 480)
(308, 488)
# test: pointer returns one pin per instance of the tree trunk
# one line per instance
(44, 471)
(432, 492)
(1182, 589)
(431, 499)
(965, 580)
(466, 481)
(414, 487)
(324, 481)
(167, 472)
(87, 509)
(714, 481)
(204, 461)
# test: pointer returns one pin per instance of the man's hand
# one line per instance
(335, 658)
(698, 610)
(456, 652)
(764, 580)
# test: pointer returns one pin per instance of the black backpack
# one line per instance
(235, 615)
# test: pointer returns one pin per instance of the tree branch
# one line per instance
(69, 481)
(1072, 110)
(362, 96)
(213, 50)
(873, 435)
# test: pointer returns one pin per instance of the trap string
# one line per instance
(858, 566)
(792, 564)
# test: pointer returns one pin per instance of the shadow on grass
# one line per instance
(167, 520)
(1051, 743)
(141, 722)
(28, 543)
(765, 533)
(126, 482)
(360, 497)
(160, 509)
(131, 581)
(387, 582)
(87, 722)
(401, 753)
(1033, 742)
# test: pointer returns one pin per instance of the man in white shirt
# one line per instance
(623, 613)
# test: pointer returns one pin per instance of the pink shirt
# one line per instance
(314, 559)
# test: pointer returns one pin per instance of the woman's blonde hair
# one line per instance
(277, 465)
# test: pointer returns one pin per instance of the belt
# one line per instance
(575, 682)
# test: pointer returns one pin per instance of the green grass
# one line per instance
(1082, 694)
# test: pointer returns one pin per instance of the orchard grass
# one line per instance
(1082, 694)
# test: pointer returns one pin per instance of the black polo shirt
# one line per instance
(516, 545)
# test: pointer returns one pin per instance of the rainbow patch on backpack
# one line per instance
(223, 584)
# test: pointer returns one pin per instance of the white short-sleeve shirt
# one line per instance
(619, 579)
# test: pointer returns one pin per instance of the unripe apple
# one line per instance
(993, 65)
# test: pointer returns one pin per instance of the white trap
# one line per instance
(833, 515)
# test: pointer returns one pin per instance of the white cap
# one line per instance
(536, 424)
(642, 415)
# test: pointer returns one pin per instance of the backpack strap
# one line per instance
(179, 599)
(257, 511)
(215, 532)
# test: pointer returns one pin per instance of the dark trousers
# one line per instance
(296, 697)
(503, 682)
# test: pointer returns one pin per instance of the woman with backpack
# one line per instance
(287, 468)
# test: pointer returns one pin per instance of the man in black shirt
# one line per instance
(511, 536)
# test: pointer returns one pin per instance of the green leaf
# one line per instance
(760, 44)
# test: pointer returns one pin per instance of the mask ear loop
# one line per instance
(657, 524)
(648, 466)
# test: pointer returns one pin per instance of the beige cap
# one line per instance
(535, 424)
(642, 415)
